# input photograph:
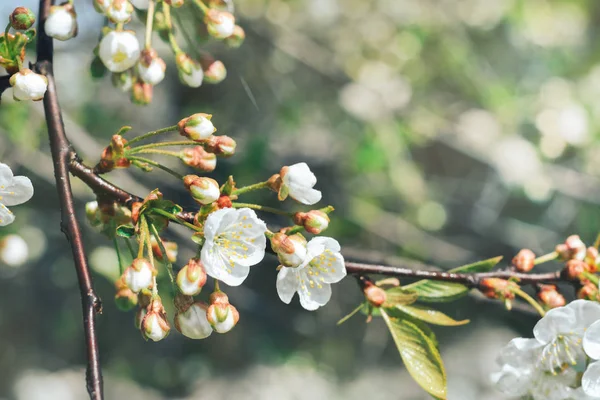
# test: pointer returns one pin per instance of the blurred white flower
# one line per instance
(590, 382)
(154, 72)
(193, 323)
(193, 75)
(14, 190)
(119, 50)
(234, 241)
(516, 160)
(27, 85)
(297, 182)
(13, 250)
(312, 280)
(220, 24)
(61, 23)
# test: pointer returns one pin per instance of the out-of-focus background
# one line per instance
(446, 131)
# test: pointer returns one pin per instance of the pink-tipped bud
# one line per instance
(574, 269)
(198, 158)
(496, 288)
(204, 190)
(113, 156)
(139, 275)
(314, 221)
(151, 68)
(524, 260)
(237, 37)
(192, 322)
(223, 145)
(549, 296)
(197, 127)
(155, 325)
(592, 259)
(191, 278)
(588, 291)
(291, 250)
(141, 93)
(170, 247)
(374, 294)
(572, 248)
(221, 315)
(22, 18)
(220, 24)
(214, 71)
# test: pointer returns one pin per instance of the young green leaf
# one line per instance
(125, 231)
(438, 291)
(399, 295)
(419, 354)
(430, 316)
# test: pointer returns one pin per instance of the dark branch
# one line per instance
(62, 155)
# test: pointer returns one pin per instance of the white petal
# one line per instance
(313, 294)
(520, 352)
(287, 284)
(305, 195)
(512, 381)
(220, 268)
(325, 263)
(590, 382)
(586, 313)
(556, 321)
(193, 323)
(300, 174)
(591, 341)
(17, 191)
(222, 217)
(6, 174)
(6, 216)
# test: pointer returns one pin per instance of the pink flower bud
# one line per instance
(236, 38)
(192, 321)
(204, 190)
(198, 158)
(22, 18)
(524, 260)
(197, 127)
(549, 295)
(214, 72)
(141, 93)
(592, 259)
(220, 24)
(191, 278)
(221, 315)
(155, 325)
(291, 250)
(220, 145)
(572, 248)
(314, 221)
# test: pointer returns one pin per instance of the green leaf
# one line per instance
(438, 291)
(431, 316)
(123, 130)
(419, 354)
(399, 295)
(125, 231)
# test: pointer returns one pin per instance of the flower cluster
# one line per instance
(138, 69)
(566, 342)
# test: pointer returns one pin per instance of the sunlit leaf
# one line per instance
(399, 295)
(438, 291)
(430, 316)
(419, 354)
(125, 231)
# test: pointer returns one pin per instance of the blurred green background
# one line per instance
(445, 131)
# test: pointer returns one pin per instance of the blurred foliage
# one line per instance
(445, 130)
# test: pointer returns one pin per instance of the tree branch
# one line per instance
(62, 157)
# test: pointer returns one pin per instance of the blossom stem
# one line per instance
(352, 313)
(597, 242)
(141, 244)
(250, 188)
(162, 152)
(545, 258)
(130, 247)
(162, 144)
(6, 32)
(530, 300)
(262, 208)
(164, 256)
(149, 22)
(201, 6)
(168, 129)
(169, 22)
(174, 218)
(157, 165)
(119, 256)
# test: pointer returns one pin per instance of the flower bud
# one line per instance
(221, 315)
(204, 190)
(291, 250)
(139, 275)
(524, 260)
(374, 294)
(314, 221)
(91, 212)
(139, 317)
(27, 85)
(124, 297)
(22, 18)
(119, 12)
(170, 247)
(190, 70)
(592, 259)
(223, 145)
(113, 156)
(61, 23)
(574, 269)
(192, 321)
(549, 296)
(122, 80)
(214, 72)
(224, 202)
(151, 68)
(589, 291)
(14, 250)
(197, 127)
(572, 248)
(141, 93)
(155, 325)
(236, 39)
(220, 24)
(496, 288)
(191, 278)
(198, 158)
(119, 50)
(102, 6)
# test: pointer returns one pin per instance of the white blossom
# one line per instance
(193, 323)
(297, 182)
(119, 50)
(13, 250)
(234, 241)
(139, 275)
(153, 73)
(27, 85)
(312, 280)
(61, 23)
(14, 190)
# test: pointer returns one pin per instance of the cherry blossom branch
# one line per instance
(62, 155)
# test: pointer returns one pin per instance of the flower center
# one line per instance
(564, 349)
(119, 56)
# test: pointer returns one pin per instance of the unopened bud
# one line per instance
(119, 11)
(314, 221)
(193, 322)
(550, 296)
(198, 158)
(14, 250)
(237, 37)
(125, 298)
(121, 80)
(191, 278)
(574, 269)
(214, 72)
(221, 315)
(155, 325)
(151, 67)
(61, 23)
(524, 260)
(139, 275)
(220, 24)
(22, 18)
(91, 212)
(592, 259)
(224, 202)
(220, 145)
(27, 85)
(496, 288)
(113, 156)
(170, 247)
(572, 248)
(374, 294)
(197, 127)
(291, 250)
(204, 190)
(190, 70)
(588, 291)
(141, 93)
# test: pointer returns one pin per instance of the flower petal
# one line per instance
(219, 267)
(304, 195)
(16, 191)
(591, 341)
(324, 262)
(512, 381)
(6, 216)
(287, 284)
(6, 174)
(556, 321)
(590, 382)
(586, 313)
(216, 220)
(313, 294)
(520, 352)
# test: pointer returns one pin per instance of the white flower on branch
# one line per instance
(312, 280)
(119, 50)
(234, 241)
(61, 23)
(297, 182)
(590, 382)
(139, 275)
(14, 190)
(13, 250)
(27, 85)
